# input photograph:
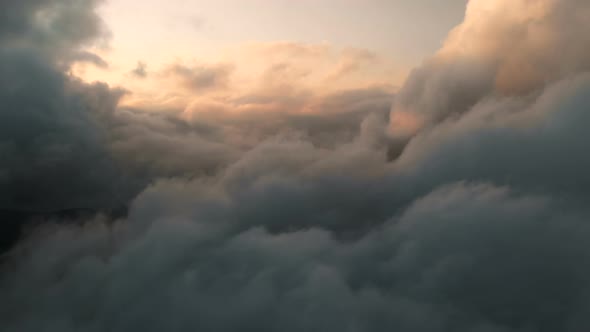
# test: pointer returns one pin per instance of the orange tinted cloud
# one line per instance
(201, 77)
(502, 48)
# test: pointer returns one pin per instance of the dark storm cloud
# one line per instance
(465, 257)
(291, 221)
(52, 148)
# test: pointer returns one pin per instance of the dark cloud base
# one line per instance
(478, 221)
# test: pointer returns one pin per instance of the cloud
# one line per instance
(282, 75)
(278, 50)
(328, 119)
(352, 60)
(163, 146)
(56, 28)
(284, 208)
(201, 78)
(473, 256)
(52, 147)
(85, 56)
(51, 144)
(503, 48)
(140, 70)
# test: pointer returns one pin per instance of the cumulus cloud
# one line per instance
(85, 56)
(537, 146)
(327, 120)
(199, 78)
(466, 210)
(56, 28)
(52, 148)
(464, 257)
(503, 48)
(352, 60)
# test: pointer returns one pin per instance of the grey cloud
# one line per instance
(289, 237)
(55, 27)
(493, 54)
(202, 77)
(53, 148)
(327, 120)
(168, 151)
(464, 257)
(62, 140)
(292, 221)
(352, 60)
(49, 138)
(445, 90)
(140, 70)
(84, 56)
(356, 100)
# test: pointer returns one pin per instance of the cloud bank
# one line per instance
(464, 210)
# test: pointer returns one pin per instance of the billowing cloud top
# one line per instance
(503, 48)
(459, 204)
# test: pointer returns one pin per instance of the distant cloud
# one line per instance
(140, 70)
(352, 60)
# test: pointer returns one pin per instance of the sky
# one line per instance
(394, 36)
(323, 165)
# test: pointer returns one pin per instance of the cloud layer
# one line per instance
(464, 210)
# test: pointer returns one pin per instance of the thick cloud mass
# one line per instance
(55, 28)
(503, 48)
(468, 211)
(465, 257)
